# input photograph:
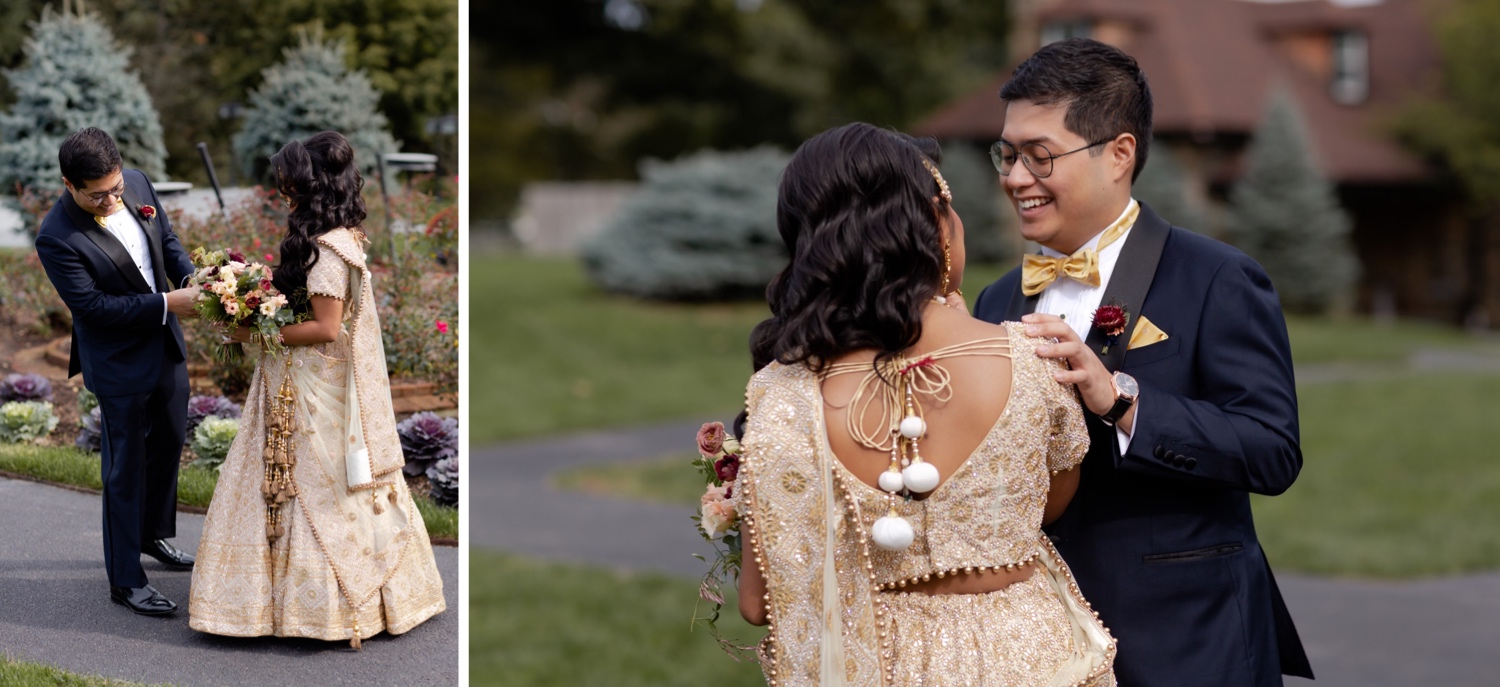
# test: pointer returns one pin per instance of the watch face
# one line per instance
(1126, 384)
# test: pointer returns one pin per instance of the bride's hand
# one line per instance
(955, 300)
(239, 335)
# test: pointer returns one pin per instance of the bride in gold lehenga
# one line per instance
(312, 532)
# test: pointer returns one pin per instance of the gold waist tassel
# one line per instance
(280, 454)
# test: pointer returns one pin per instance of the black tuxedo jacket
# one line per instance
(1160, 538)
(119, 342)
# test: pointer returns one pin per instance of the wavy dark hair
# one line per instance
(319, 176)
(856, 213)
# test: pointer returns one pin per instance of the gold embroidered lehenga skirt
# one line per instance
(351, 563)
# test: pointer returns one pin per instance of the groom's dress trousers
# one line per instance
(113, 278)
(1159, 534)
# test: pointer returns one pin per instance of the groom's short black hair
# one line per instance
(1104, 90)
(86, 155)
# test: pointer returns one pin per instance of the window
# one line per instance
(1056, 31)
(1351, 68)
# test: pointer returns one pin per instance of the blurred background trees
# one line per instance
(200, 60)
(583, 89)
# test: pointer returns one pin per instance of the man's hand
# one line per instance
(1088, 372)
(180, 302)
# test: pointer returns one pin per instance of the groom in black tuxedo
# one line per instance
(111, 254)
(1191, 400)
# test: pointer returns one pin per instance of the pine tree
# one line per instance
(311, 91)
(700, 227)
(989, 230)
(1283, 212)
(75, 76)
(1163, 186)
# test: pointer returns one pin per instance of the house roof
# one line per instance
(1212, 65)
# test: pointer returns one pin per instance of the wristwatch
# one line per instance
(1126, 391)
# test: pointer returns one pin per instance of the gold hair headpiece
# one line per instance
(938, 177)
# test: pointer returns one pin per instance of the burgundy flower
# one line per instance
(252, 301)
(147, 211)
(711, 439)
(236, 256)
(1112, 319)
(267, 286)
(727, 468)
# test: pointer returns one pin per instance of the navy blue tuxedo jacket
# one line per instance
(119, 342)
(1160, 538)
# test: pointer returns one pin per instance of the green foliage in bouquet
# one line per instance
(212, 438)
(701, 227)
(23, 421)
(75, 76)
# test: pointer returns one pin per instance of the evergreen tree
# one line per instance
(989, 228)
(312, 91)
(701, 227)
(75, 76)
(1283, 212)
(1163, 186)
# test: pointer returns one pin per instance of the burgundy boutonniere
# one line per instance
(148, 212)
(1112, 320)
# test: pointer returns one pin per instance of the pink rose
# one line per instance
(442, 326)
(711, 439)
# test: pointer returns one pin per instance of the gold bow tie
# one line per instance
(1039, 271)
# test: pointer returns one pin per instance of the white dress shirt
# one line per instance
(1075, 301)
(123, 226)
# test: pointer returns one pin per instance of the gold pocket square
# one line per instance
(1145, 334)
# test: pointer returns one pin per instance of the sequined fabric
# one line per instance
(341, 565)
(987, 514)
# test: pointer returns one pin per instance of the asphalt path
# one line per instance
(1357, 633)
(55, 609)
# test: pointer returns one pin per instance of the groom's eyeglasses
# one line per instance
(1037, 158)
(115, 192)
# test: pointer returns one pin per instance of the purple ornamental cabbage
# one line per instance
(200, 407)
(91, 431)
(444, 478)
(425, 439)
(25, 387)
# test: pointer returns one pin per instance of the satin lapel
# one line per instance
(84, 222)
(1131, 280)
(1020, 304)
(153, 235)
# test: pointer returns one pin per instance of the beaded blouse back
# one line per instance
(810, 520)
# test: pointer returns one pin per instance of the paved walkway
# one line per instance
(55, 609)
(1366, 634)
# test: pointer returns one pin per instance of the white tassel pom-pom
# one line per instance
(892, 533)
(913, 427)
(891, 481)
(920, 477)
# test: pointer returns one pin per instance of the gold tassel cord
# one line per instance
(280, 455)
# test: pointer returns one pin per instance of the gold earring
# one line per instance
(947, 267)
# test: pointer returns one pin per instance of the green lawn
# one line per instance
(539, 625)
(548, 354)
(669, 479)
(195, 485)
(16, 673)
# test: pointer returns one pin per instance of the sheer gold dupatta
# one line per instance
(824, 628)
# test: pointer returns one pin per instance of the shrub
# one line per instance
(989, 223)
(443, 476)
(701, 227)
(200, 407)
(90, 431)
(212, 438)
(1163, 185)
(310, 91)
(1284, 213)
(25, 387)
(27, 299)
(22, 421)
(427, 438)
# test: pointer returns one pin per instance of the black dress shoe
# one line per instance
(169, 555)
(143, 600)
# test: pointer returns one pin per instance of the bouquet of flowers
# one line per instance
(719, 522)
(238, 293)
